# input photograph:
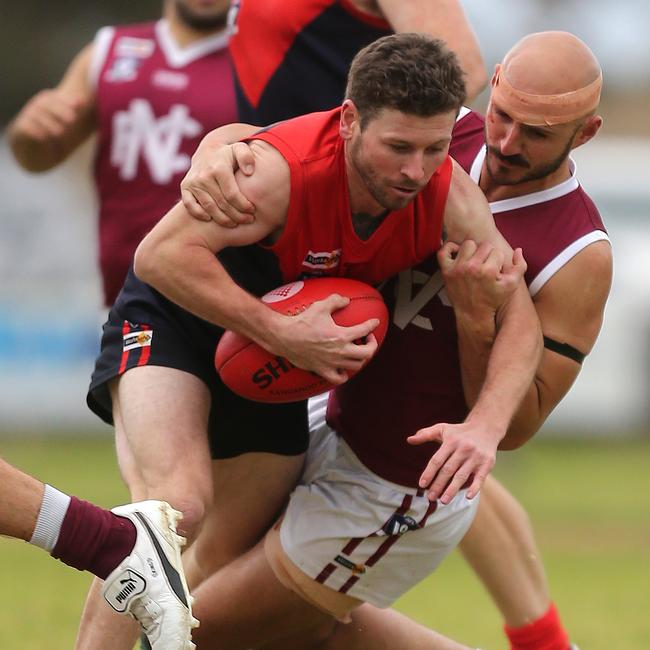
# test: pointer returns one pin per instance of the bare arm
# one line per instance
(54, 122)
(444, 19)
(570, 308)
(178, 259)
(469, 449)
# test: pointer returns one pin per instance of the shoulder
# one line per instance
(583, 283)
(268, 187)
(467, 214)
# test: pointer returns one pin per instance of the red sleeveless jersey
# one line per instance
(155, 101)
(292, 58)
(414, 381)
(318, 237)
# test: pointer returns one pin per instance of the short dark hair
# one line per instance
(411, 73)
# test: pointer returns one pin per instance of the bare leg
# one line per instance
(20, 503)
(501, 549)
(161, 438)
(244, 606)
(249, 492)
(386, 629)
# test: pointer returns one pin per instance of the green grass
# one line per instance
(589, 501)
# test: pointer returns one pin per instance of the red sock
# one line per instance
(546, 633)
(93, 539)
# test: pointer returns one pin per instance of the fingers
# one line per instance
(447, 253)
(244, 158)
(333, 302)
(48, 115)
(454, 465)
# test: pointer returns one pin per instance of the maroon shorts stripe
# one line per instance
(350, 582)
(126, 328)
(430, 510)
(326, 573)
(382, 550)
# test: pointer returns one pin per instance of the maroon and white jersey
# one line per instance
(155, 101)
(414, 381)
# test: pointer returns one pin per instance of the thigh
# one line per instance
(162, 429)
(249, 493)
(244, 605)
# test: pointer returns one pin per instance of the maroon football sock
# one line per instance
(93, 539)
(546, 633)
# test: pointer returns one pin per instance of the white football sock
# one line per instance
(50, 517)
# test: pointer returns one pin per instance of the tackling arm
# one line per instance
(54, 122)
(570, 308)
(178, 259)
(468, 450)
(504, 324)
(178, 256)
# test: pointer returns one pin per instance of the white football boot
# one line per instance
(149, 584)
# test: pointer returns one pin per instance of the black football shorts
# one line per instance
(144, 328)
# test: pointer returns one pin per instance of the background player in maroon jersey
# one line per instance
(150, 92)
(533, 121)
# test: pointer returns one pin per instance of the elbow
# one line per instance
(514, 440)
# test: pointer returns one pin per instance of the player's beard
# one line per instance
(531, 173)
(377, 187)
(198, 22)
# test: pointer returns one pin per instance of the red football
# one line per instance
(252, 372)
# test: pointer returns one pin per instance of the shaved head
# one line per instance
(548, 78)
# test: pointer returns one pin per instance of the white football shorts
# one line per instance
(352, 531)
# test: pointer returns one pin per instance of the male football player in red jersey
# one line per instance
(292, 58)
(381, 151)
(150, 92)
(533, 121)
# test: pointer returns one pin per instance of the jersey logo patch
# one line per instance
(170, 79)
(398, 525)
(138, 48)
(124, 68)
(325, 260)
(134, 340)
(357, 569)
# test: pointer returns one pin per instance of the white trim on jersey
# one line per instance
(101, 47)
(561, 189)
(462, 113)
(178, 57)
(560, 260)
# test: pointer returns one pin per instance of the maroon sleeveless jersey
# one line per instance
(155, 101)
(414, 381)
(318, 237)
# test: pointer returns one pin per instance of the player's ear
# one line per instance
(349, 119)
(588, 130)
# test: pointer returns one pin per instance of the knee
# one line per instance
(193, 503)
(322, 633)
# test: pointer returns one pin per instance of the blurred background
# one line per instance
(583, 481)
(49, 291)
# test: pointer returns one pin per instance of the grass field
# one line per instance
(590, 503)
